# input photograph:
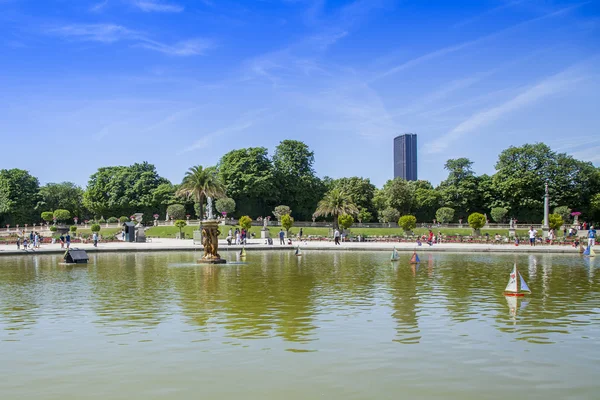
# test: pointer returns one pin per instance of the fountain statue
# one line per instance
(210, 237)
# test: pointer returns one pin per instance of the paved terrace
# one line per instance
(257, 244)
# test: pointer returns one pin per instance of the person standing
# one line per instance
(62, 241)
(68, 240)
(592, 236)
(281, 236)
(237, 236)
(336, 236)
(95, 239)
(36, 241)
(430, 238)
(18, 242)
(532, 234)
(300, 234)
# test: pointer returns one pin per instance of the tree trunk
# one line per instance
(335, 222)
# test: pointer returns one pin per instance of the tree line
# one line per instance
(251, 182)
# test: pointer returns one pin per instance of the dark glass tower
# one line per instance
(405, 156)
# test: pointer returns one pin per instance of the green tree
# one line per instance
(523, 171)
(286, 223)
(345, 221)
(476, 222)
(249, 179)
(65, 195)
(95, 228)
(199, 183)
(123, 219)
(245, 222)
(225, 205)
(498, 214)
(18, 197)
(295, 177)
(73, 229)
(180, 224)
(62, 215)
(396, 193)
(564, 212)
(426, 200)
(360, 190)
(48, 216)
(112, 220)
(280, 211)
(555, 221)
(595, 207)
(407, 223)
(364, 215)
(444, 215)
(460, 190)
(176, 211)
(389, 215)
(335, 203)
(123, 190)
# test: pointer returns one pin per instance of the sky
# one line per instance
(86, 84)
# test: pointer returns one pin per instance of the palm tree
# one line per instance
(199, 183)
(335, 203)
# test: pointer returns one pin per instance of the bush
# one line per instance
(407, 223)
(225, 205)
(498, 214)
(176, 211)
(113, 220)
(102, 220)
(477, 221)
(245, 222)
(48, 216)
(280, 211)
(444, 215)
(345, 221)
(180, 224)
(389, 215)
(62, 215)
(73, 228)
(555, 221)
(95, 228)
(123, 219)
(287, 222)
(53, 228)
(563, 211)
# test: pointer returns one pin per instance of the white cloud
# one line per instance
(99, 6)
(548, 87)
(189, 47)
(105, 33)
(454, 48)
(111, 33)
(157, 6)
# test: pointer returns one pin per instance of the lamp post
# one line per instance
(546, 226)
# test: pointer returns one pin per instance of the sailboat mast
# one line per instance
(517, 278)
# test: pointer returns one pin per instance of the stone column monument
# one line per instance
(546, 226)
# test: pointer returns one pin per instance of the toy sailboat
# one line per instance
(589, 252)
(516, 284)
(243, 252)
(415, 258)
(395, 255)
(298, 253)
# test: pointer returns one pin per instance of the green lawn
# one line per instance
(171, 231)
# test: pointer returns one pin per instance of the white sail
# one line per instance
(512, 282)
(394, 255)
(524, 287)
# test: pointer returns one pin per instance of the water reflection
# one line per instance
(296, 299)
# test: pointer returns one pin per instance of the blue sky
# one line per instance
(180, 82)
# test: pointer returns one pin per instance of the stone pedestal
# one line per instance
(265, 234)
(210, 242)
(511, 232)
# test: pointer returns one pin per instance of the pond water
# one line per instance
(334, 325)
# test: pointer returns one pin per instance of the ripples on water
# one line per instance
(372, 315)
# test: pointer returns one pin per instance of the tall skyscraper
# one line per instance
(405, 156)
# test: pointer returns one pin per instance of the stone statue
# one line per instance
(265, 221)
(512, 223)
(210, 241)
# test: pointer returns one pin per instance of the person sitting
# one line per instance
(497, 238)
(289, 241)
(419, 242)
(229, 238)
